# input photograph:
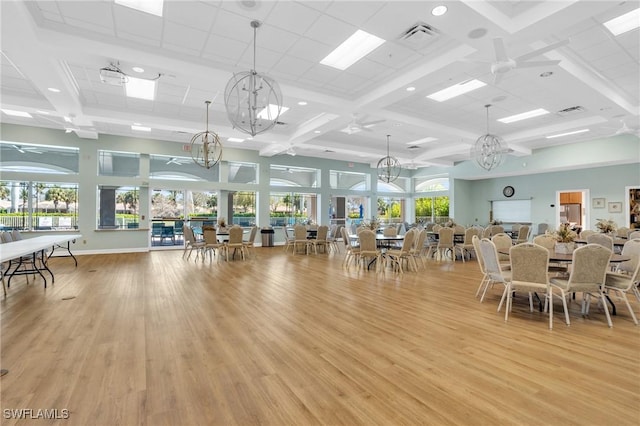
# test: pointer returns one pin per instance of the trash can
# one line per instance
(267, 237)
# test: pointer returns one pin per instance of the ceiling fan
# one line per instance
(625, 129)
(504, 63)
(358, 125)
(25, 149)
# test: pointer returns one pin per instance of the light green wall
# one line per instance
(470, 190)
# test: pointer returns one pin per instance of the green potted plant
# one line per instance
(565, 239)
(606, 226)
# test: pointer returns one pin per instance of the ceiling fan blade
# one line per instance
(501, 52)
(497, 78)
(542, 50)
(532, 64)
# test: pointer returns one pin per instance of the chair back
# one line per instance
(490, 259)
(502, 241)
(590, 264)
(622, 232)
(486, 232)
(188, 234)
(299, 232)
(602, 239)
(345, 238)
(459, 229)
(542, 228)
(585, 234)
(419, 240)
(523, 234)
(469, 233)
(475, 240)
(16, 235)
(407, 243)
(529, 263)
(6, 237)
(436, 227)
(367, 239)
(545, 240)
(445, 238)
(633, 235)
(252, 234)
(515, 228)
(235, 235)
(321, 234)
(210, 235)
(390, 231)
(631, 248)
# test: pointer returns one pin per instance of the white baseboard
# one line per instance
(110, 251)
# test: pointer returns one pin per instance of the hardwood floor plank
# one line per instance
(153, 339)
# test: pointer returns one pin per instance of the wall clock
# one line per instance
(508, 191)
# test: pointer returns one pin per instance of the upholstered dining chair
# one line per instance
(190, 242)
(631, 248)
(466, 246)
(211, 243)
(585, 234)
(633, 235)
(548, 241)
(395, 257)
(623, 283)
(523, 234)
(300, 238)
(475, 240)
(493, 271)
(369, 251)
(445, 243)
(235, 242)
(321, 239)
(529, 264)
(603, 239)
(351, 252)
(418, 249)
(288, 239)
(503, 242)
(249, 243)
(588, 271)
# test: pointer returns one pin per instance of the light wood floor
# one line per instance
(152, 339)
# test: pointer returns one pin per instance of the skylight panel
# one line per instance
(456, 90)
(153, 7)
(141, 88)
(15, 113)
(271, 111)
(360, 44)
(624, 23)
(523, 116)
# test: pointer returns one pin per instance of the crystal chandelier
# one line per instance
(388, 167)
(489, 150)
(206, 149)
(253, 101)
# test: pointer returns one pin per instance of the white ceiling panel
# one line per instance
(197, 45)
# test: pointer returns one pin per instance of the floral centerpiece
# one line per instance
(496, 222)
(606, 226)
(565, 237)
(372, 224)
(450, 224)
(222, 223)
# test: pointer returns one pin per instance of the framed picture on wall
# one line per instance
(598, 203)
(632, 207)
(615, 207)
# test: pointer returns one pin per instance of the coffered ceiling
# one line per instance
(196, 46)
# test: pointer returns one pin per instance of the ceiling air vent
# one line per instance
(571, 110)
(419, 35)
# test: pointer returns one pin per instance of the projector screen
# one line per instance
(512, 211)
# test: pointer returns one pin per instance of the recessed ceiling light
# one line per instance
(271, 111)
(15, 113)
(410, 89)
(546, 74)
(456, 90)
(67, 119)
(439, 10)
(141, 88)
(624, 23)
(523, 116)
(42, 112)
(352, 50)
(302, 103)
(235, 140)
(141, 128)
(559, 135)
(138, 69)
(53, 89)
(317, 131)
(154, 7)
